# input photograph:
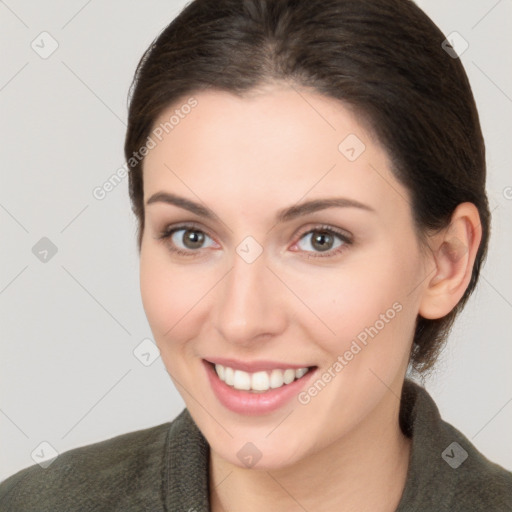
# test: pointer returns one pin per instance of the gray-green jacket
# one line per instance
(165, 468)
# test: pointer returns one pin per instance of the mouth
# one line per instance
(260, 381)
(258, 392)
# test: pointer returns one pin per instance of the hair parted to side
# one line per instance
(382, 58)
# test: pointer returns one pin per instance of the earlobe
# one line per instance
(453, 256)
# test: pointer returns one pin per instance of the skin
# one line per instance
(245, 159)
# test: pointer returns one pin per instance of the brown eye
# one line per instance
(192, 238)
(186, 240)
(323, 240)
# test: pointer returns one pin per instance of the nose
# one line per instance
(250, 305)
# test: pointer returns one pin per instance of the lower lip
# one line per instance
(252, 404)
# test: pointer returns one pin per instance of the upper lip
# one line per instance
(254, 366)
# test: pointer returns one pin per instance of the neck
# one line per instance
(364, 470)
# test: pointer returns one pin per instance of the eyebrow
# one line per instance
(284, 215)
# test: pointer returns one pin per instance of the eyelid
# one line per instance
(168, 229)
(315, 226)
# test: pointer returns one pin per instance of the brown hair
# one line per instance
(383, 58)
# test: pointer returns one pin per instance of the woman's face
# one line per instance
(337, 289)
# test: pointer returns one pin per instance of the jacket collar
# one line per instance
(186, 467)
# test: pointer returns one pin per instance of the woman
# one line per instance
(309, 183)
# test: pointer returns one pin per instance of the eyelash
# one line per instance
(170, 230)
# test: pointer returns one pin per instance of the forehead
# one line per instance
(273, 115)
(273, 145)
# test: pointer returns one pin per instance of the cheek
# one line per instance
(155, 295)
(365, 304)
(163, 292)
(173, 298)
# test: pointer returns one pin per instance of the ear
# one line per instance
(454, 252)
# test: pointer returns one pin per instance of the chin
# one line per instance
(260, 453)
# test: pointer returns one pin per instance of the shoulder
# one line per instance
(446, 470)
(100, 476)
(477, 483)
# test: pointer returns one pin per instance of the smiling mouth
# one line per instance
(260, 381)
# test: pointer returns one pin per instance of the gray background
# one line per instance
(69, 325)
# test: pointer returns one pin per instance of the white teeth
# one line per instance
(300, 372)
(220, 371)
(229, 375)
(289, 376)
(242, 380)
(276, 379)
(259, 381)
